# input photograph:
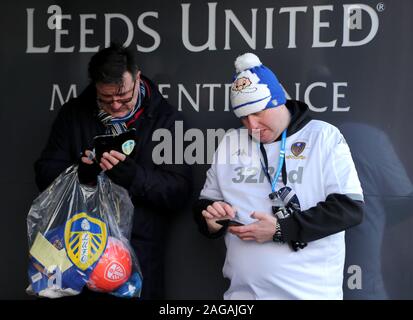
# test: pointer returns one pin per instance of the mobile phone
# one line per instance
(230, 223)
(124, 143)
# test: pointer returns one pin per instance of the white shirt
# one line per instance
(272, 270)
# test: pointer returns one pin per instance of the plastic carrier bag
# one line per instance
(78, 236)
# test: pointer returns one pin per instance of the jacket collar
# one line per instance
(299, 116)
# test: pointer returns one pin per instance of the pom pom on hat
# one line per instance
(246, 61)
(255, 87)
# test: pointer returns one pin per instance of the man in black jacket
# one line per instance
(120, 98)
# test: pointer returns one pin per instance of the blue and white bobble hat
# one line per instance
(255, 87)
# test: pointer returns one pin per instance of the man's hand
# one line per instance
(119, 168)
(88, 157)
(111, 159)
(88, 170)
(260, 231)
(219, 210)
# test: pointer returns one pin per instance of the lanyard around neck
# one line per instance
(281, 157)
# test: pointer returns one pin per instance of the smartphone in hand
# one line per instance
(124, 143)
(230, 223)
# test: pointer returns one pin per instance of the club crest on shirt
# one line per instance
(297, 148)
(85, 239)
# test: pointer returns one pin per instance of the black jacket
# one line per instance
(157, 191)
(337, 213)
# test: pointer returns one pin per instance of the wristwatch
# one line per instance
(277, 237)
(281, 212)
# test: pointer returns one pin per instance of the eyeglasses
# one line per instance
(104, 103)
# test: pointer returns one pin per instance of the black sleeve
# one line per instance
(166, 187)
(197, 208)
(337, 213)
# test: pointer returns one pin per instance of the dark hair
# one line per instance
(109, 64)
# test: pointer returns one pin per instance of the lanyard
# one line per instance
(281, 166)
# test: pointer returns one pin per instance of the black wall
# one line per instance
(373, 78)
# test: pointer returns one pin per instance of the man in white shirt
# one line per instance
(291, 182)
